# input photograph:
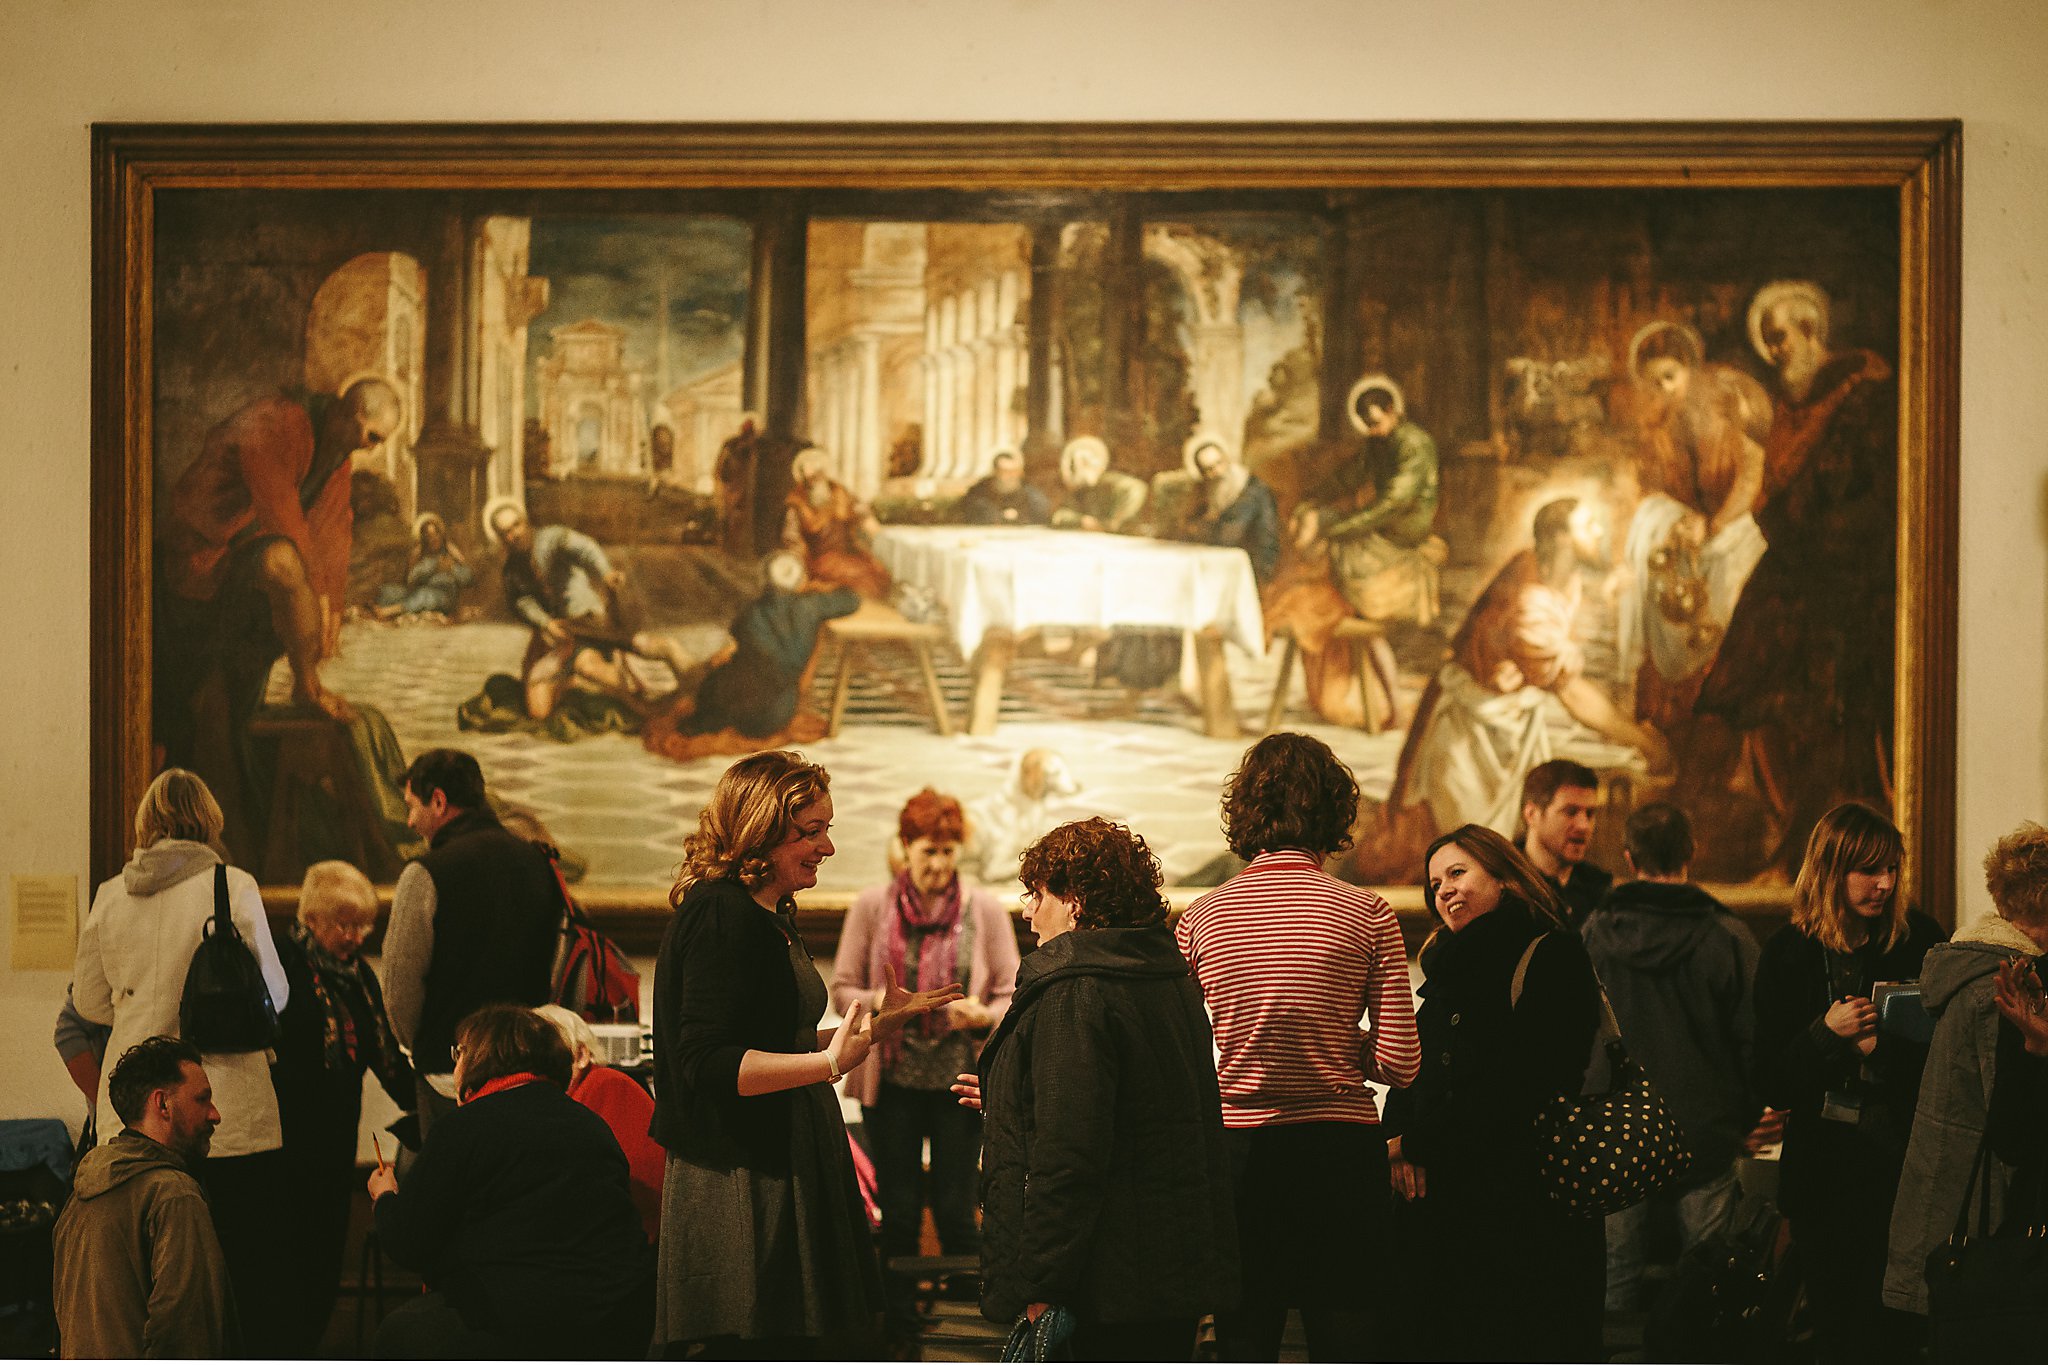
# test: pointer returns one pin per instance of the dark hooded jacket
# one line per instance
(139, 1269)
(1105, 1183)
(1957, 986)
(1680, 970)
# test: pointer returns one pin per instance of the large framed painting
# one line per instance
(1048, 466)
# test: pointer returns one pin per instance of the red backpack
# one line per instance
(591, 976)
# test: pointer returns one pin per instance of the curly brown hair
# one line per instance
(751, 811)
(1289, 792)
(1104, 868)
(2016, 875)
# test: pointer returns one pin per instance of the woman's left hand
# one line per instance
(899, 1006)
(967, 1085)
(969, 1014)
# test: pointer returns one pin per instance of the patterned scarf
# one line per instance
(335, 981)
(938, 957)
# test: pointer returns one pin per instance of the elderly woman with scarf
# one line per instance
(332, 1032)
(926, 927)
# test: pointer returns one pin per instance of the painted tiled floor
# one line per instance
(627, 810)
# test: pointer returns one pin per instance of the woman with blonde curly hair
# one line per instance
(1105, 1182)
(1959, 988)
(764, 1245)
(1848, 1087)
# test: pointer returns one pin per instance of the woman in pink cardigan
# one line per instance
(926, 925)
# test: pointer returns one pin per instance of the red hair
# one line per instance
(932, 815)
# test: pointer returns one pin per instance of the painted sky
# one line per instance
(610, 269)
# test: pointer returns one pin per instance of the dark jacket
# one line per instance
(320, 1105)
(1799, 1060)
(1487, 1065)
(1680, 970)
(139, 1269)
(518, 1210)
(1583, 894)
(1957, 986)
(722, 987)
(1105, 1185)
(497, 922)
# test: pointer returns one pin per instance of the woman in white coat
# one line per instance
(133, 954)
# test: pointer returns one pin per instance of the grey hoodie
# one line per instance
(166, 863)
(1957, 986)
(139, 1268)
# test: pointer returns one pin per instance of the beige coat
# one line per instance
(133, 953)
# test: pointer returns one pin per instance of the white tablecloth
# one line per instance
(1021, 578)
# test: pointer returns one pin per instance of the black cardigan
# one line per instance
(1105, 1180)
(722, 987)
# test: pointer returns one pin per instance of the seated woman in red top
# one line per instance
(618, 1099)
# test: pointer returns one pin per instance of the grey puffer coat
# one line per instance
(1956, 985)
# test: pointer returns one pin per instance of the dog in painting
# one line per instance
(1002, 824)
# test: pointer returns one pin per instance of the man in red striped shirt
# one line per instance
(1290, 960)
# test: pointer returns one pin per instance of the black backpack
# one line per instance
(227, 1007)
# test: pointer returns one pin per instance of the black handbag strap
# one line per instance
(1980, 1187)
(223, 921)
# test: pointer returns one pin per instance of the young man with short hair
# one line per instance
(1679, 968)
(1560, 804)
(139, 1267)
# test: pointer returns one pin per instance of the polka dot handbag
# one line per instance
(1611, 1149)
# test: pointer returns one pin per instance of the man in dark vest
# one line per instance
(474, 920)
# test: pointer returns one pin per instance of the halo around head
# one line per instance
(1080, 448)
(1695, 348)
(490, 515)
(419, 524)
(1804, 292)
(1372, 381)
(1197, 443)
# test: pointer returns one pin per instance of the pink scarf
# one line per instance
(938, 957)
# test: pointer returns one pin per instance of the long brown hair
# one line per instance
(1507, 865)
(751, 811)
(1852, 837)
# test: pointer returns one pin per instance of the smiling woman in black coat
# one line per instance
(1105, 1180)
(1503, 1272)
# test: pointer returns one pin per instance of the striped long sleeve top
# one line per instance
(1306, 980)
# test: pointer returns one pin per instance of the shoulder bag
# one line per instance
(226, 1006)
(1612, 1149)
(1987, 1292)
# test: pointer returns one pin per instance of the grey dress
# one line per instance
(749, 1254)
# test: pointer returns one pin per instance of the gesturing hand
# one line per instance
(899, 1006)
(854, 1036)
(2021, 1001)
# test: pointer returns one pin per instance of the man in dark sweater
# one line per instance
(1679, 968)
(474, 920)
(1560, 803)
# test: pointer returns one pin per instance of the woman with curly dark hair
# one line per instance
(1105, 1186)
(1290, 959)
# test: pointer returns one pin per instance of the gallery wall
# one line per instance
(66, 65)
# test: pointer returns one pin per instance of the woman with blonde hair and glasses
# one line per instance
(765, 1251)
(133, 954)
(1848, 1085)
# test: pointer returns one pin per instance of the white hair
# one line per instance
(574, 1028)
(785, 571)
